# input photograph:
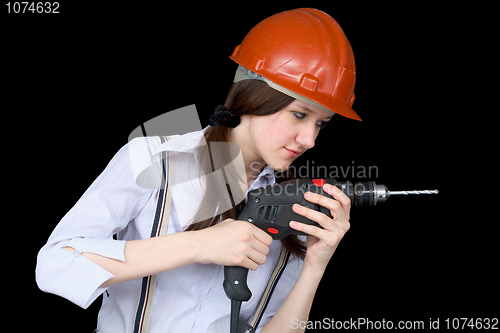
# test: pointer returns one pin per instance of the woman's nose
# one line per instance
(307, 136)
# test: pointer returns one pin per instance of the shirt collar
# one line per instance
(268, 173)
(266, 177)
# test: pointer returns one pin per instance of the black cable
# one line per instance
(235, 315)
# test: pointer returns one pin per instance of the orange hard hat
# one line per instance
(302, 53)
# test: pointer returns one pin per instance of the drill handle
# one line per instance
(236, 288)
(235, 283)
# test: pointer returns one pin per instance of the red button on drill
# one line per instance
(272, 230)
(319, 182)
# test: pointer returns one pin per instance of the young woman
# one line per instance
(296, 70)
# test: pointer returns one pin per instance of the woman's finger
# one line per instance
(340, 197)
(314, 215)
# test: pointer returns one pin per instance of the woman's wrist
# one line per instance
(313, 272)
(199, 237)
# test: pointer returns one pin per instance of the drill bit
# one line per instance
(413, 192)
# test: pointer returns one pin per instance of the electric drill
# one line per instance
(270, 209)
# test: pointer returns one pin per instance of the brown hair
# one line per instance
(247, 97)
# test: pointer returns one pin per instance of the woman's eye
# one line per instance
(299, 115)
(321, 124)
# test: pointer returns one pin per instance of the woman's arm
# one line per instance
(297, 305)
(228, 243)
(109, 204)
(147, 257)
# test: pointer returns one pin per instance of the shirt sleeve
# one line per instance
(109, 204)
(281, 291)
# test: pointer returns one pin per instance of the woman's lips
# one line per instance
(293, 153)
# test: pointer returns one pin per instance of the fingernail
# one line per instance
(308, 195)
(327, 187)
(297, 207)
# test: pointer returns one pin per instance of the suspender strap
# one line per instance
(159, 227)
(273, 281)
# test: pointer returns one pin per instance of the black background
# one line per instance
(75, 85)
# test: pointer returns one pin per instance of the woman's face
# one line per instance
(283, 136)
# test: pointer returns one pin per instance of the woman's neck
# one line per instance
(253, 162)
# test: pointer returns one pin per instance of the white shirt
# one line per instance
(187, 299)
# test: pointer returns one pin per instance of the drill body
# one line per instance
(270, 207)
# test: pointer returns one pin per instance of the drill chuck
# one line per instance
(370, 193)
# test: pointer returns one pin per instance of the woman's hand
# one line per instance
(234, 243)
(321, 243)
